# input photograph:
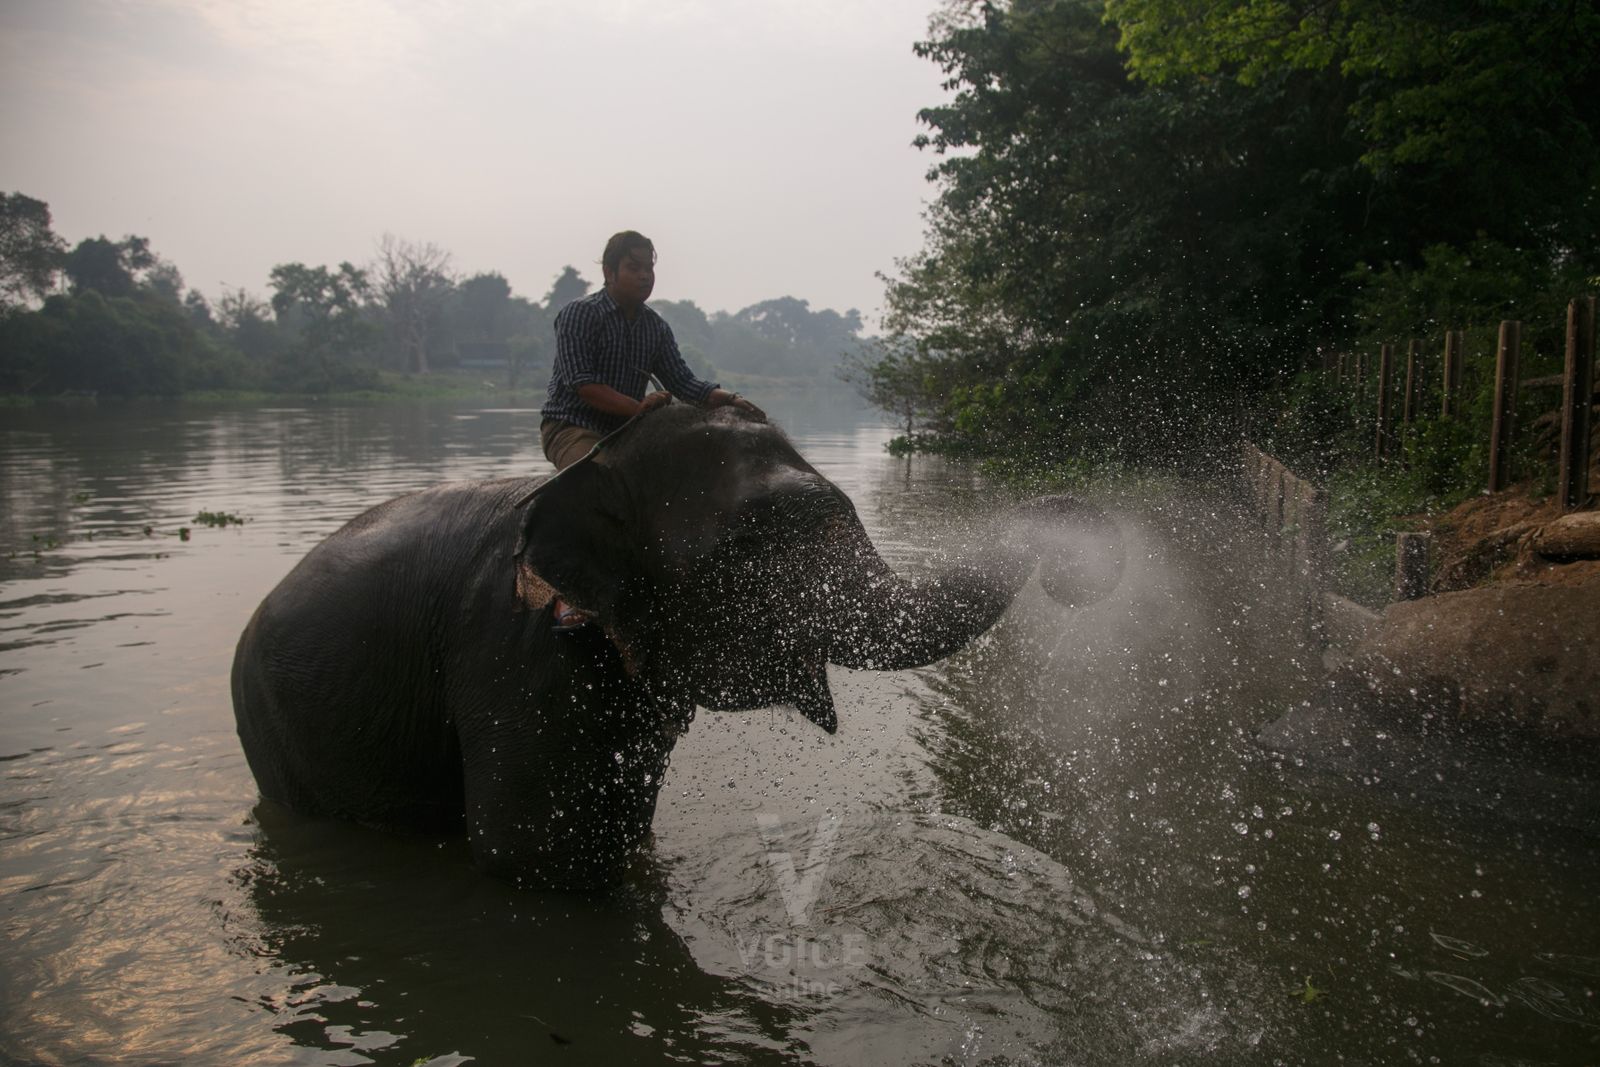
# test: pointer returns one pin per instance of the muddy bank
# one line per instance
(1510, 633)
(1488, 689)
(1522, 653)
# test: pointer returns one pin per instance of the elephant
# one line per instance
(405, 673)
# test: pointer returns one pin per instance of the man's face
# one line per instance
(635, 277)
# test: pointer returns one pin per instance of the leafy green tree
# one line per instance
(248, 324)
(315, 296)
(792, 321)
(814, 341)
(1101, 247)
(568, 286)
(782, 337)
(327, 332)
(1481, 115)
(690, 325)
(485, 308)
(107, 267)
(692, 329)
(136, 345)
(1121, 260)
(199, 309)
(30, 252)
(890, 374)
(163, 279)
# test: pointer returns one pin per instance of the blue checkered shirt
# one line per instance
(595, 342)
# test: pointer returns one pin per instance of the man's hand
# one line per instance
(608, 400)
(653, 401)
(721, 398)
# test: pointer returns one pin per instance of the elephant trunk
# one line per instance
(891, 623)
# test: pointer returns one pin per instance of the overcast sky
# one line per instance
(763, 144)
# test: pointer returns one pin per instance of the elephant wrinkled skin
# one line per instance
(405, 674)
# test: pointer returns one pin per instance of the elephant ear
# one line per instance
(576, 539)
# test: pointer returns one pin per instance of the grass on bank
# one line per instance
(1325, 431)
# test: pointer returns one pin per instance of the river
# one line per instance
(1061, 845)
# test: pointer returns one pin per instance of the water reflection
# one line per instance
(1060, 846)
(411, 953)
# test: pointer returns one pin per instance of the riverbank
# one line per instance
(1484, 691)
(443, 385)
(454, 385)
(1508, 631)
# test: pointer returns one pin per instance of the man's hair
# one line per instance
(620, 245)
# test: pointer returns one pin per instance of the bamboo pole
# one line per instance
(1460, 367)
(1413, 401)
(1385, 372)
(1450, 386)
(1505, 404)
(1577, 395)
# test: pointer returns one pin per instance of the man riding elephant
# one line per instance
(608, 346)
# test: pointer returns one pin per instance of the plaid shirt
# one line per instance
(595, 342)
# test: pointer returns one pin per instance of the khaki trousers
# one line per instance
(564, 444)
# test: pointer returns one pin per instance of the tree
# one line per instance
(792, 321)
(568, 286)
(413, 282)
(1101, 247)
(107, 267)
(199, 309)
(322, 317)
(247, 322)
(135, 345)
(163, 279)
(891, 375)
(485, 307)
(316, 293)
(30, 252)
(1479, 115)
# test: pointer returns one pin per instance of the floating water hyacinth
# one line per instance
(1307, 993)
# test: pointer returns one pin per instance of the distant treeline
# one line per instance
(1152, 213)
(112, 317)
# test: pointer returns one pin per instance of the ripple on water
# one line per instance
(926, 936)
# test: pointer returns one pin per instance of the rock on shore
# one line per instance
(1524, 651)
(1486, 693)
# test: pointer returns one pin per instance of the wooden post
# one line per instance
(1451, 383)
(1505, 404)
(1385, 372)
(1577, 395)
(1413, 403)
(1411, 565)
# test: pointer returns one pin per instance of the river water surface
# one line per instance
(1061, 845)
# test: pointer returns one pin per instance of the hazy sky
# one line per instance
(763, 144)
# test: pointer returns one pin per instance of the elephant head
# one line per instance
(729, 572)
